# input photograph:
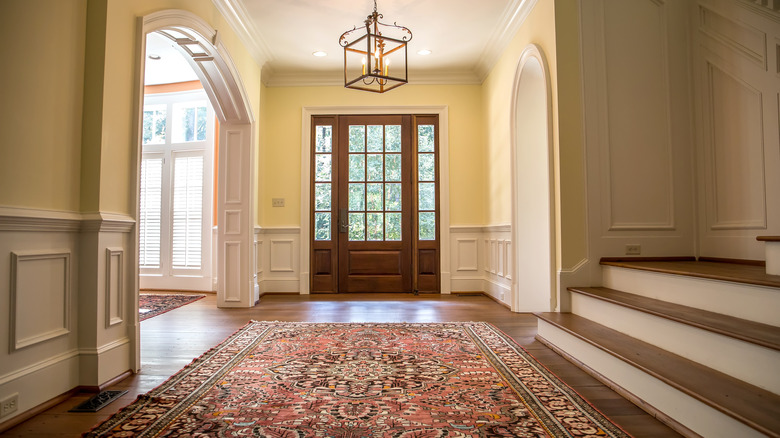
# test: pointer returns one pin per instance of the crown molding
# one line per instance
(272, 78)
(238, 18)
(511, 20)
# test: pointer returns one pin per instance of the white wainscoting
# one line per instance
(57, 268)
(735, 65)
(639, 156)
(278, 259)
(481, 260)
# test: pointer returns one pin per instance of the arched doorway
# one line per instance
(234, 246)
(533, 217)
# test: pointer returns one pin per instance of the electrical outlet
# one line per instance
(9, 404)
(633, 249)
(277, 202)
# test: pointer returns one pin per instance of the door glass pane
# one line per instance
(375, 226)
(357, 138)
(154, 124)
(323, 167)
(427, 200)
(357, 196)
(375, 138)
(393, 197)
(357, 226)
(324, 140)
(427, 225)
(374, 196)
(321, 226)
(392, 226)
(357, 167)
(425, 138)
(427, 168)
(322, 196)
(375, 167)
(201, 124)
(392, 138)
(189, 122)
(393, 167)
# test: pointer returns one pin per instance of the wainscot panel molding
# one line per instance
(114, 286)
(39, 277)
(735, 48)
(480, 260)
(640, 167)
(62, 267)
(278, 259)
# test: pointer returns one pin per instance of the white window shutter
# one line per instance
(187, 210)
(151, 210)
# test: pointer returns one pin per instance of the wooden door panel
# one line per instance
(375, 262)
(375, 250)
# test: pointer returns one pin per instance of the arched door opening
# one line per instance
(233, 243)
(533, 218)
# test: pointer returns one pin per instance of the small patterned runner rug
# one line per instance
(287, 379)
(150, 305)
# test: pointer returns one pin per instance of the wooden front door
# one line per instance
(367, 218)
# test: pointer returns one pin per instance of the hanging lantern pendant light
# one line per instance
(367, 57)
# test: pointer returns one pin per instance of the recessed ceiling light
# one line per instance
(424, 52)
(154, 56)
(319, 53)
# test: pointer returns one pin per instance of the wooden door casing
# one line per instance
(409, 263)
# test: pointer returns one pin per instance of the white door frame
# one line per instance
(533, 186)
(211, 62)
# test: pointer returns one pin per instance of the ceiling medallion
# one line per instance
(368, 57)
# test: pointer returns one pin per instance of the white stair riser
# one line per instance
(754, 303)
(693, 414)
(751, 363)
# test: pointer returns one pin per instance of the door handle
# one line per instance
(343, 221)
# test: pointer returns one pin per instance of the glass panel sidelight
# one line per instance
(426, 182)
(323, 188)
(324, 140)
(375, 182)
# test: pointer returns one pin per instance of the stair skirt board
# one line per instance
(754, 303)
(671, 406)
(742, 360)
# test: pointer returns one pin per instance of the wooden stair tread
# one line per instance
(756, 407)
(714, 270)
(749, 331)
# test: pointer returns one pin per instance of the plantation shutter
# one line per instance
(151, 210)
(187, 210)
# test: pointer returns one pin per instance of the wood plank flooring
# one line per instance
(172, 340)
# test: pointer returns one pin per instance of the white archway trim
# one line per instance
(444, 183)
(201, 45)
(532, 100)
(207, 56)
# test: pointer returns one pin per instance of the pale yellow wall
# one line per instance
(117, 148)
(42, 81)
(540, 28)
(281, 155)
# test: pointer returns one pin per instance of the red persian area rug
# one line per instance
(288, 379)
(150, 305)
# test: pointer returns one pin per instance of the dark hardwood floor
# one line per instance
(172, 340)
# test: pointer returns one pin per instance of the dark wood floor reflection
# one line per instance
(172, 340)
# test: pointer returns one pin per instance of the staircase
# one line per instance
(696, 343)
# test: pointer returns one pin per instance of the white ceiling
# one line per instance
(465, 37)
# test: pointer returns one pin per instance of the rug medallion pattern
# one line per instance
(294, 380)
